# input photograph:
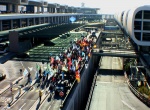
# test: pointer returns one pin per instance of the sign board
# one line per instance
(72, 19)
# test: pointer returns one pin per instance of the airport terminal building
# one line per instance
(31, 12)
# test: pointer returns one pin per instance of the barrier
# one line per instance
(91, 92)
(92, 89)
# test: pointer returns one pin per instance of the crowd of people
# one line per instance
(63, 69)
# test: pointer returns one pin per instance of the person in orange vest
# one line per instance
(77, 76)
(40, 95)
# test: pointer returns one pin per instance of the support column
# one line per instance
(66, 19)
(52, 20)
(10, 7)
(49, 10)
(58, 20)
(1, 28)
(44, 20)
(20, 23)
(61, 19)
(55, 10)
(38, 9)
(13, 39)
(48, 19)
(27, 21)
(33, 21)
(55, 20)
(11, 24)
(39, 20)
(16, 9)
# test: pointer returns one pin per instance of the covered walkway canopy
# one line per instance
(43, 30)
(115, 53)
(43, 51)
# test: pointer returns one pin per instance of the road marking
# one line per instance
(128, 105)
(22, 106)
(15, 88)
(37, 91)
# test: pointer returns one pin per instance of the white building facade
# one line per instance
(136, 23)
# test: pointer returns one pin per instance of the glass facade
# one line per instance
(2, 7)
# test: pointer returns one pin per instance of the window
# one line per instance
(2, 7)
(146, 14)
(146, 36)
(45, 9)
(138, 15)
(137, 25)
(138, 35)
(23, 1)
(35, 9)
(146, 25)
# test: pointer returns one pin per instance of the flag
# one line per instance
(36, 75)
(37, 67)
(30, 68)
(62, 75)
(77, 76)
(48, 67)
(64, 68)
(25, 72)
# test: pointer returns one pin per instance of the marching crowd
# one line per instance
(64, 68)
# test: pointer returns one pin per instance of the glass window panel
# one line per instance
(146, 25)
(146, 14)
(138, 15)
(146, 36)
(137, 35)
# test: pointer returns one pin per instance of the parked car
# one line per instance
(2, 76)
(3, 48)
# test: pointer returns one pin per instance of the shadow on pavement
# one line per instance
(111, 72)
(38, 105)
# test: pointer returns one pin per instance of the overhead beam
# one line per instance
(127, 55)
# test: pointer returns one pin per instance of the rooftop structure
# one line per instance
(31, 6)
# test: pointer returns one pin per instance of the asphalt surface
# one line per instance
(26, 101)
(14, 67)
(51, 103)
(111, 92)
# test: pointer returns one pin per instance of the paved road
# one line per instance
(26, 101)
(51, 104)
(111, 92)
(11, 69)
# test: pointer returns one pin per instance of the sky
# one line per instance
(106, 6)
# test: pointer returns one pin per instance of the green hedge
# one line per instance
(144, 90)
